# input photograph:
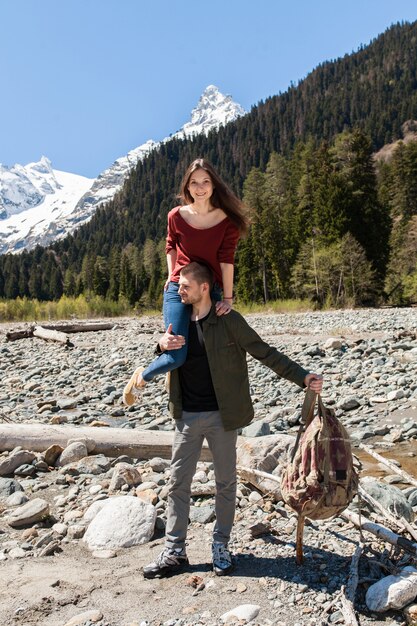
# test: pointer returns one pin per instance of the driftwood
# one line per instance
(248, 474)
(13, 335)
(113, 442)
(383, 533)
(396, 470)
(348, 610)
(352, 584)
(80, 328)
(51, 335)
(27, 333)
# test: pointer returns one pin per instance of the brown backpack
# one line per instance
(320, 480)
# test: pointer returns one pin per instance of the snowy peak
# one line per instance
(39, 205)
(213, 109)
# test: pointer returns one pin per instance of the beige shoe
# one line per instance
(131, 391)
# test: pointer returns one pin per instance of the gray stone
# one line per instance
(124, 474)
(244, 612)
(390, 497)
(349, 403)
(9, 486)
(15, 460)
(202, 514)
(30, 513)
(258, 428)
(25, 470)
(97, 464)
(16, 499)
(73, 452)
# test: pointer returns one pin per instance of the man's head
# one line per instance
(195, 283)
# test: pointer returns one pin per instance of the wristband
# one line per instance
(224, 298)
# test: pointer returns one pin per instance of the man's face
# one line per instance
(189, 289)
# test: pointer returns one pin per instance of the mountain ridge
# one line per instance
(36, 209)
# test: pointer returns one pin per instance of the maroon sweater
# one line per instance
(211, 246)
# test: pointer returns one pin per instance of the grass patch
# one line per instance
(26, 310)
(275, 306)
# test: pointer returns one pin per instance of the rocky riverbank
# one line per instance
(55, 571)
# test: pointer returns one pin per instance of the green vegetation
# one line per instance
(26, 310)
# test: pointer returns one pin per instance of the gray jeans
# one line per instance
(190, 432)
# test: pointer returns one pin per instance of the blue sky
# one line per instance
(85, 81)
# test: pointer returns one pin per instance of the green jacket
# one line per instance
(227, 339)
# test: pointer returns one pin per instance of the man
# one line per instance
(209, 398)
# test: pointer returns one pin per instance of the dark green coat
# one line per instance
(228, 338)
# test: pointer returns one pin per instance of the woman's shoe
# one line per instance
(132, 389)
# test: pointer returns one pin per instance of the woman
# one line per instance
(205, 228)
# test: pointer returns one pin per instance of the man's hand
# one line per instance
(314, 381)
(168, 341)
(223, 307)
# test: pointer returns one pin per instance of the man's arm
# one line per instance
(281, 364)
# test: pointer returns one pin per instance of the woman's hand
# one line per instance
(224, 307)
(166, 284)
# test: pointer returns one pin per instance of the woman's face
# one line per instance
(200, 185)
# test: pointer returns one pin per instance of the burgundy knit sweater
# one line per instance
(211, 246)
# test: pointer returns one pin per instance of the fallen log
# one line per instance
(80, 328)
(383, 533)
(396, 470)
(14, 335)
(113, 442)
(27, 333)
(51, 335)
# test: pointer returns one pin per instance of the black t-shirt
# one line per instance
(195, 377)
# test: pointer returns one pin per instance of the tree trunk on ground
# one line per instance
(136, 443)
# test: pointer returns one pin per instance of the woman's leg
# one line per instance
(178, 315)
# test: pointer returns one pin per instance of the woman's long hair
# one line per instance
(222, 198)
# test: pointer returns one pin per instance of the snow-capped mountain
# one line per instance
(39, 204)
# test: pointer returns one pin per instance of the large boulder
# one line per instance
(268, 454)
(389, 497)
(122, 522)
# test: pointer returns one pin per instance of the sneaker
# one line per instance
(170, 561)
(131, 392)
(222, 559)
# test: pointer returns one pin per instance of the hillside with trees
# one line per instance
(330, 222)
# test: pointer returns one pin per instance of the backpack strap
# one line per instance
(307, 416)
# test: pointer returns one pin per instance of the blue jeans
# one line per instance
(178, 315)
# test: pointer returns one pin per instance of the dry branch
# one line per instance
(347, 610)
(385, 534)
